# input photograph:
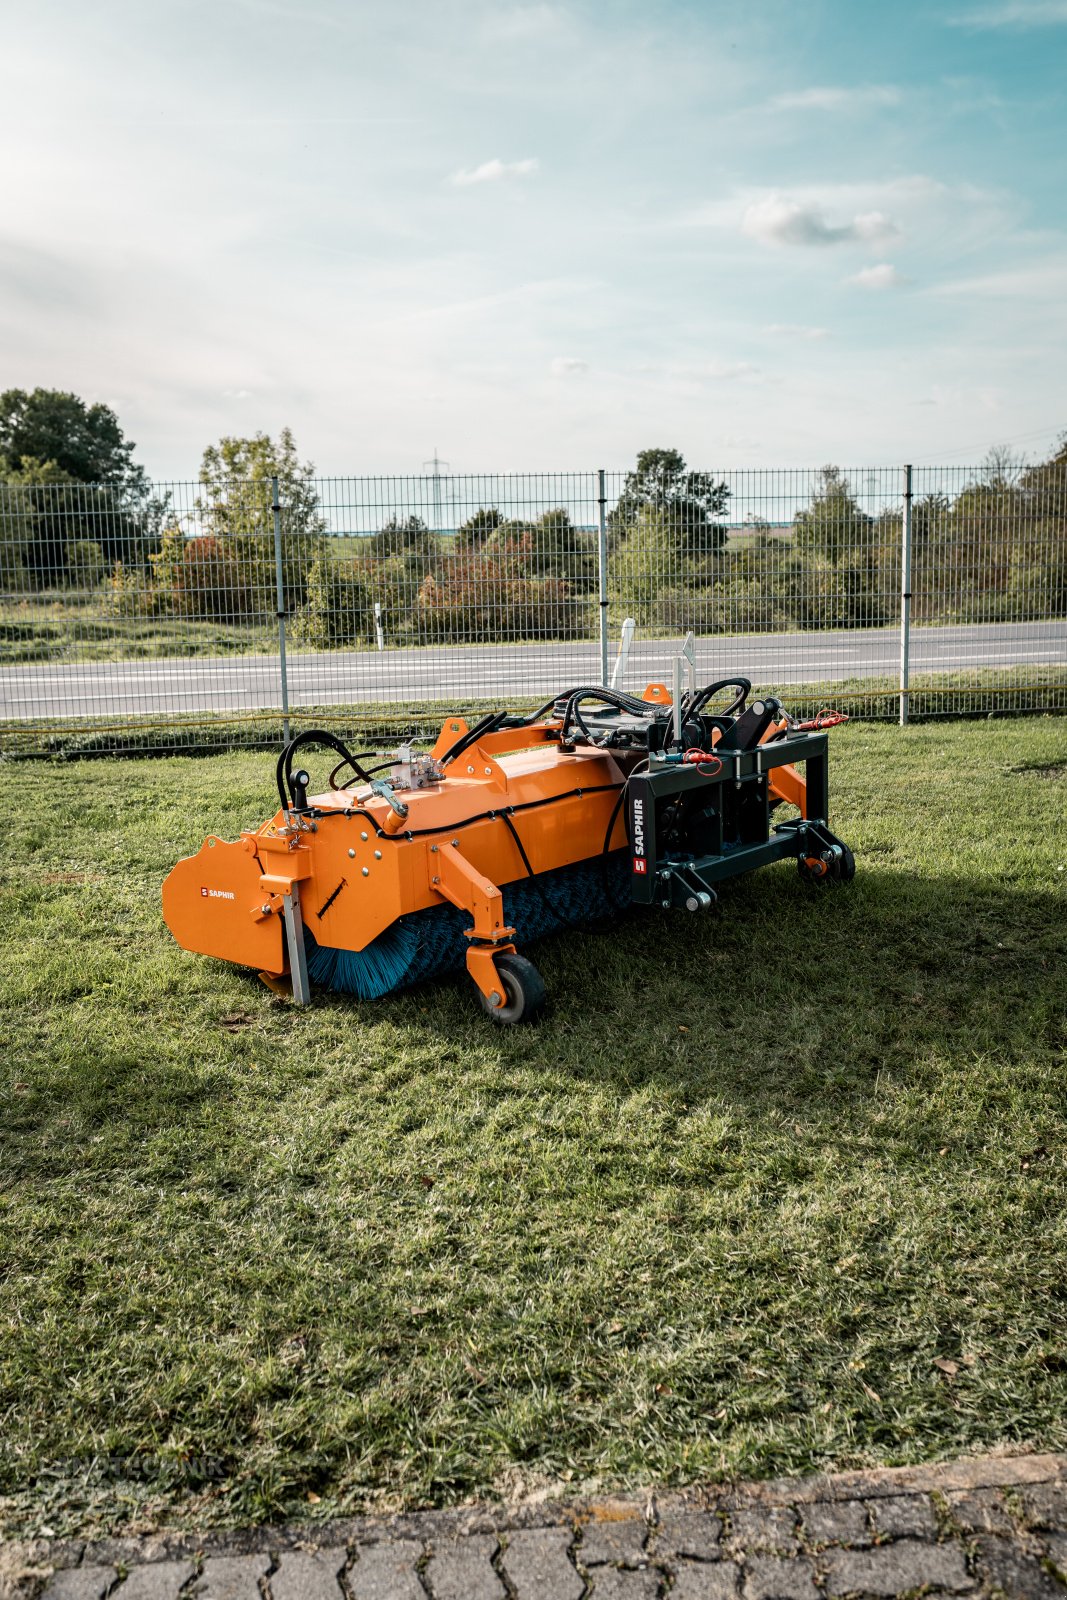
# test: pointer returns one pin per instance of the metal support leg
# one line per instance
(905, 599)
(817, 788)
(294, 937)
(602, 574)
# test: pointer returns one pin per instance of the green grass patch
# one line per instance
(76, 628)
(721, 1212)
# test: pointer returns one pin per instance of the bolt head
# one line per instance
(366, 872)
(377, 855)
(351, 855)
(494, 999)
(363, 836)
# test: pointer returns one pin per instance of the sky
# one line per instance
(540, 236)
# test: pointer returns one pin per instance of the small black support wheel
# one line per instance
(844, 868)
(523, 987)
(840, 869)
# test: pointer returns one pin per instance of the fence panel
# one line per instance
(122, 616)
(989, 583)
(448, 590)
(152, 621)
(788, 577)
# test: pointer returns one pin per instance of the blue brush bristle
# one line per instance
(431, 943)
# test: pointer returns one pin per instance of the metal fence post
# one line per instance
(905, 597)
(279, 583)
(602, 564)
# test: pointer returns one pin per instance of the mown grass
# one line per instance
(721, 1212)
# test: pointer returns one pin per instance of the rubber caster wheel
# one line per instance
(524, 991)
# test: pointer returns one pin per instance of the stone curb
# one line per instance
(946, 1523)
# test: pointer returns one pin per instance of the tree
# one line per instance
(1044, 486)
(644, 566)
(403, 536)
(337, 611)
(558, 547)
(84, 443)
(833, 525)
(236, 509)
(1002, 466)
(843, 585)
(237, 475)
(72, 478)
(689, 504)
(476, 530)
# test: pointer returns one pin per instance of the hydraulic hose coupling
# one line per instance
(707, 762)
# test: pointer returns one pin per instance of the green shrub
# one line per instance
(338, 610)
(86, 564)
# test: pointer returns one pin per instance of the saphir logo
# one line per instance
(217, 894)
(638, 818)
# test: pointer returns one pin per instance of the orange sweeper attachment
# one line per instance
(420, 864)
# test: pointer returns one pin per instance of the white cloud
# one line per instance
(780, 221)
(883, 276)
(835, 98)
(793, 330)
(568, 366)
(913, 198)
(1014, 14)
(494, 171)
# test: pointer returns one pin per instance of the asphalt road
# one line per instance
(45, 692)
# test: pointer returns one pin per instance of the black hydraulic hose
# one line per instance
(610, 697)
(404, 834)
(488, 724)
(534, 879)
(702, 696)
(320, 736)
(625, 702)
(605, 853)
(364, 773)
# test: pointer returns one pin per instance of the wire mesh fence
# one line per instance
(213, 614)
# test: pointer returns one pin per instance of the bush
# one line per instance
(482, 598)
(130, 593)
(722, 608)
(338, 610)
(85, 564)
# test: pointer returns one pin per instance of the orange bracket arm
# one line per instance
(788, 785)
(453, 877)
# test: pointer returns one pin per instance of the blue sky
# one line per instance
(542, 235)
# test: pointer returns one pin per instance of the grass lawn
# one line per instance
(777, 1189)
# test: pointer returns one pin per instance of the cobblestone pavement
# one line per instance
(990, 1526)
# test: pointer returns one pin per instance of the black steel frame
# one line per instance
(689, 828)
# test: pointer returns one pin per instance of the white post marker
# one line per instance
(618, 672)
(378, 634)
(689, 651)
